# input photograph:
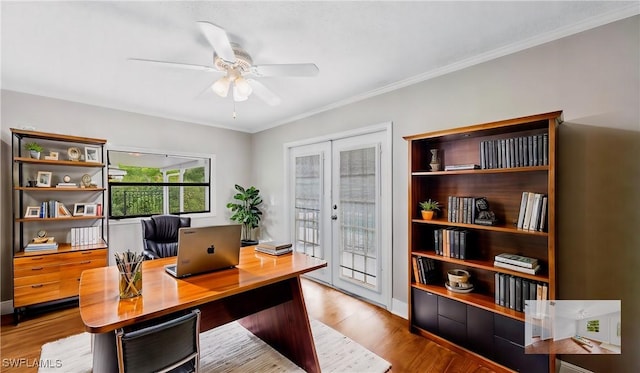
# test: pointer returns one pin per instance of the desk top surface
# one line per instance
(102, 310)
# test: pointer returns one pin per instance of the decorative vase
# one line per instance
(427, 215)
(435, 162)
(34, 154)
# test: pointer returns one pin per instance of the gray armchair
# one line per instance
(160, 235)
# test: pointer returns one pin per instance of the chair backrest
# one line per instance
(161, 347)
(160, 235)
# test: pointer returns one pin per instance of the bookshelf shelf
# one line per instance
(40, 276)
(516, 155)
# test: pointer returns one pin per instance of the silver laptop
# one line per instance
(206, 249)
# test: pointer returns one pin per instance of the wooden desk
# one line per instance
(263, 293)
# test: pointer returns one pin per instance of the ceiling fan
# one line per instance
(237, 66)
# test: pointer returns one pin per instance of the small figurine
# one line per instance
(484, 216)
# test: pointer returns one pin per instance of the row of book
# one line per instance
(533, 212)
(424, 270)
(274, 248)
(513, 291)
(53, 209)
(517, 263)
(461, 209)
(451, 242)
(85, 236)
(523, 151)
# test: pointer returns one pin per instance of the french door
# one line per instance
(340, 208)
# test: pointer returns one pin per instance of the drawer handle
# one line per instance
(86, 252)
(85, 262)
(37, 268)
(37, 286)
(37, 258)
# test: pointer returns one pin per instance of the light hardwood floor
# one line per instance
(376, 329)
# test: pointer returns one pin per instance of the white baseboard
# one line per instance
(399, 308)
(564, 367)
(6, 307)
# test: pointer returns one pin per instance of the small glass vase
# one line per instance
(131, 281)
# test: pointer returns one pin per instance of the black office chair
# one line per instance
(169, 346)
(160, 235)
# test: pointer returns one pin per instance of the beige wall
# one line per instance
(121, 129)
(594, 78)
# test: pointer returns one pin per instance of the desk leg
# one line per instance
(105, 356)
(286, 328)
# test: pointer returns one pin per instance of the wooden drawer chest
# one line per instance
(51, 275)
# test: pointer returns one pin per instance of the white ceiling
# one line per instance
(577, 309)
(78, 51)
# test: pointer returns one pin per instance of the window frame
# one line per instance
(172, 153)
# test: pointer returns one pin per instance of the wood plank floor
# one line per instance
(376, 329)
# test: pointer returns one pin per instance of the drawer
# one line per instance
(73, 270)
(34, 269)
(69, 287)
(452, 330)
(425, 310)
(36, 279)
(452, 309)
(510, 329)
(76, 256)
(37, 293)
(36, 260)
(512, 356)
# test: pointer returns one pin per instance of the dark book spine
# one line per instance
(496, 294)
(530, 150)
(450, 208)
(512, 153)
(512, 292)
(436, 242)
(535, 150)
(440, 243)
(503, 287)
(482, 155)
(545, 149)
(539, 148)
(456, 244)
(463, 244)
(518, 302)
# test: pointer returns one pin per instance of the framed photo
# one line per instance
(78, 209)
(32, 212)
(52, 156)
(90, 209)
(91, 154)
(44, 179)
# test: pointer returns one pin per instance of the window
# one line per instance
(593, 326)
(145, 184)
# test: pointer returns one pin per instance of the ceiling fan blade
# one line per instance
(175, 64)
(296, 69)
(219, 40)
(264, 93)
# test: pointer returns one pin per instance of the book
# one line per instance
(535, 212)
(416, 274)
(274, 245)
(518, 303)
(273, 252)
(531, 271)
(66, 185)
(523, 207)
(469, 166)
(519, 260)
(496, 288)
(543, 216)
(528, 211)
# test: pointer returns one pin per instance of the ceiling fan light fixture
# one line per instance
(243, 87)
(237, 96)
(221, 86)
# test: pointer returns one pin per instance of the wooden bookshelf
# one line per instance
(474, 321)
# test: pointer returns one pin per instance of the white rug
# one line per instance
(231, 348)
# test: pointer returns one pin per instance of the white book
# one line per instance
(528, 211)
(535, 213)
(531, 271)
(523, 207)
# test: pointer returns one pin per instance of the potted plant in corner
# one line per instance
(246, 212)
(429, 208)
(34, 149)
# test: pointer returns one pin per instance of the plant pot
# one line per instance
(34, 154)
(427, 215)
(244, 243)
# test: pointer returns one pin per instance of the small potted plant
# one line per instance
(34, 149)
(429, 208)
(246, 212)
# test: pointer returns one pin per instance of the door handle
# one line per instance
(334, 217)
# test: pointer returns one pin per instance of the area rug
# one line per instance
(232, 348)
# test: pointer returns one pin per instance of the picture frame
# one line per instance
(32, 212)
(90, 209)
(53, 156)
(79, 209)
(91, 154)
(43, 179)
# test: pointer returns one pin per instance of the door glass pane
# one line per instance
(308, 182)
(358, 243)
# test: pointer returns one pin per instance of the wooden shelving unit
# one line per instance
(47, 276)
(473, 322)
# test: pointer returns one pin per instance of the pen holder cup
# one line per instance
(131, 280)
